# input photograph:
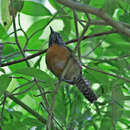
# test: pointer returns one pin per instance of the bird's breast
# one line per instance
(57, 58)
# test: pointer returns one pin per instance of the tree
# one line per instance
(29, 96)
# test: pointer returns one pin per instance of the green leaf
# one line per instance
(8, 49)
(125, 18)
(37, 26)
(38, 62)
(22, 41)
(2, 70)
(86, 1)
(111, 5)
(116, 42)
(97, 4)
(3, 33)
(35, 9)
(4, 83)
(31, 121)
(106, 124)
(16, 114)
(98, 77)
(55, 4)
(76, 103)
(35, 43)
(36, 73)
(67, 28)
(60, 99)
(15, 125)
(115, 109)
(6, 18)
(17, 66)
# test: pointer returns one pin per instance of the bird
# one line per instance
(64, 65)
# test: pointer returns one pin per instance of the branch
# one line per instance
(93, 35)
(108, 59)
(99, 44)
(42, 105)
(102, 22)
(81, 37)
(51, 110)
(24, 59)
(16, 39)
(19, 22)
(12, 43)
(27, 108)
(98, 12)
(24, 91)
(106, 73)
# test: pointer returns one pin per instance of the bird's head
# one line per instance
(55, 38)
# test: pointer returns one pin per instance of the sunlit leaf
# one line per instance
(35, 9)
(6, 18)
(36, 73)
(3, 33)
(4, 83)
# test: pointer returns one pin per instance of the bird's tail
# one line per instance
(83, 86)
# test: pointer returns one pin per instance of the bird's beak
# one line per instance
(52, 31)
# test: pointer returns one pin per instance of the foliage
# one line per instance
(28, 88)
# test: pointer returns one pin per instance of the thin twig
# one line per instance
(24, 91)
(26, 36)
(83, 25)
(108, 59)
(81, 37)
(33, 50)
(93, 36)
(20, 77)
(27, 83)
(99, 44)
(16, 39)
(77, 33)
(51, 110)
(10, 55)
(43, 95)
(76, 24)
(52, 117)
(106, 73)
(13, 32)
(24, 59)
(27, 108)
(11, 43)
(102, 22)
